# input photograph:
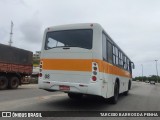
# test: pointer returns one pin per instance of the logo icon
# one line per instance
(47, 76)
(6, 114)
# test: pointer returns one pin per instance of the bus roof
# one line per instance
(73, 26)
(83, 26)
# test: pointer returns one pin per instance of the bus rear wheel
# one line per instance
(75, 95)
(129, 87)
(114, 99)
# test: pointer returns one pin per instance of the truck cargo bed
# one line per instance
(13, 55)
(12, 68)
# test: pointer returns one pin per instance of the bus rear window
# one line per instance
(81, 38)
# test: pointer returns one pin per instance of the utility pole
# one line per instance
(142, 72)
(156, 70)
(11, 33)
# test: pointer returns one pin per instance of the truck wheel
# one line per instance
(3, 82)
(75, 95)
(114, 99)
(13, 83)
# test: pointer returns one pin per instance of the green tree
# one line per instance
(150, 78)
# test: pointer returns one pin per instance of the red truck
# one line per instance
(15, 64)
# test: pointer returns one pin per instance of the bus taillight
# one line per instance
(94, 71)
(94, 68)
(94, 78)
(40, 74)
(40, 69)
(40, 66)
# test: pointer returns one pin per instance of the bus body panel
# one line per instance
(78, 81)
(73, 67)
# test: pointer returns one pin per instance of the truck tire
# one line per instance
(3, 82)
(13, 82)
(114, 99)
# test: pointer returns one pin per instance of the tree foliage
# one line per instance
(150, 78)
(36, 62)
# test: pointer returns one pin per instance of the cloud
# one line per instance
(31, 30)
(13, 2)
(3, 34)
(133, 24)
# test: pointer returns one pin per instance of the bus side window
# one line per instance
(114, 55)
(125, 63)
(104, 47)
(110, 51)
(130, 66)
(120, 58)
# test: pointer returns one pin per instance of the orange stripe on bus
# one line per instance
(106, 67)
(67, 64)
(83, 65)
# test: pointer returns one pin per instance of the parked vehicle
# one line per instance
(146, 81)
(15, 64)
(152, 82)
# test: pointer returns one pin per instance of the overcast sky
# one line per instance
(133, 24)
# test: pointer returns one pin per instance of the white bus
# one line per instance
(81, 59)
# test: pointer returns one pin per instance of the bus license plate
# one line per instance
(64, 88)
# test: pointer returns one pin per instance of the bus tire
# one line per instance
(75, 95)
(129, 87)
(126, 93)
(3, 82)
(114, 99)
(13, 82)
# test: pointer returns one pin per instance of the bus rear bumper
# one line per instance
(72, 87)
